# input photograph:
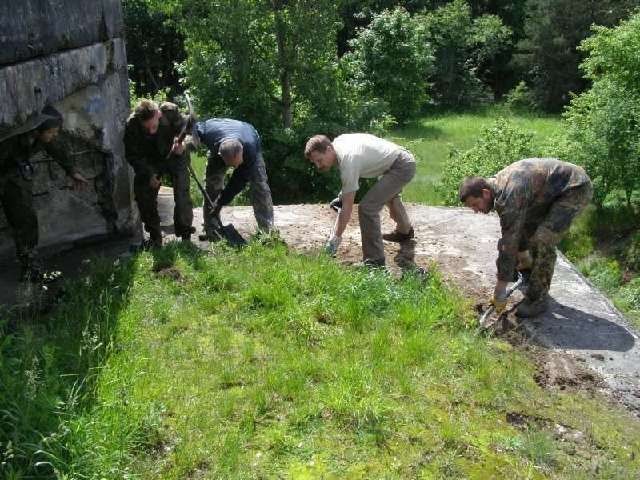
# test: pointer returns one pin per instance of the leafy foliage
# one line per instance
(390, 60)
(498, 146)
(548, 56)
(603, 124)
(154, 47)
(464, 46)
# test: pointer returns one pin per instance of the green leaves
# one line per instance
(498, 146)
(390, 61)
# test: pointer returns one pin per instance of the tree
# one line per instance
(548, 55)
(389, 60)
(603, 123)
(464, 48)
(154, 47)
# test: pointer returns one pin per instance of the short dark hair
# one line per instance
(145, 110)
(317, 143)
(229, 147)
(472, 187)
(52, 119)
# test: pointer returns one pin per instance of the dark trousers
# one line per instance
(17, 204)
(147, 199)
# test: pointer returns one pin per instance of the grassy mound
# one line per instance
(267, 364)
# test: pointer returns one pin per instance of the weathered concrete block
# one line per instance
(71, 54)
(34, 28)
(26, 87)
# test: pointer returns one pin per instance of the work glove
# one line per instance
(332, 245)
(336, 204)
(499, 301)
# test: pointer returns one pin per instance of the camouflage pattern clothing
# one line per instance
(16, 185)
(536, 200)
(252, 170)
(149, 156)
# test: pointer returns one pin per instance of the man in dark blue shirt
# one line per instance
(235, 144)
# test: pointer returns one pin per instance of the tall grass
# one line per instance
(268, 364)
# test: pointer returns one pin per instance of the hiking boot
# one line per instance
(397, 236)
(530, 309)
(153, 242)
(370, 263)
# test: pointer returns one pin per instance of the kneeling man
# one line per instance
(361, 155)
(536, 200)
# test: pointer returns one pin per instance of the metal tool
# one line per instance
(520, 283)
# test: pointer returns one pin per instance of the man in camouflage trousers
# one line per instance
(152, 149)
(536, 200)
(235, 144)
(16, 183)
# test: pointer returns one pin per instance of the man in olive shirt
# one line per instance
(536, 200)
(152, 149)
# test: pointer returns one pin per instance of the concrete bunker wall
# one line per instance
(71, 54)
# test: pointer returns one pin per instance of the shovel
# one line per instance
(229, 232)
(484, 319)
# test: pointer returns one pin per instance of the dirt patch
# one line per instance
(560, 431)
(171, 273)
(557, 370)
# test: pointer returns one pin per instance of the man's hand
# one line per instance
(177, 148)
(79, 182)
(332, 245)
(155, 182)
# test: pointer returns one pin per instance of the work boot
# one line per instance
(371, 263)
(397, 236)
(530, 309)
(154, 241)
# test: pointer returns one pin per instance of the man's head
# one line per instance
(48, 130)
(231, 152)
(148, 113)
(320, 152)
(476, 193)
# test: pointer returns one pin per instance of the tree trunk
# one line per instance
(285, 68)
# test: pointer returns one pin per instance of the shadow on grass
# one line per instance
(49, 365)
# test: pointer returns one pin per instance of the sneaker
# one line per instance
(397, 236)
(529, 309)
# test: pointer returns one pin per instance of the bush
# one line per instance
(603, 124)
(521, 98)
(498, 146)
(389, 60)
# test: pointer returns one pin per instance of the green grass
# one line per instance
(268, 364)
(605, 246)
(432, 138)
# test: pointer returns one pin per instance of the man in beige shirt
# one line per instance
(361, 155)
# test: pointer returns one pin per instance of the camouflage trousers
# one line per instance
(147, 199)
(541, 238)
(259, 191)
(17, 204)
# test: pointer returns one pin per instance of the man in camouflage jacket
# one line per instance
(152, 149)
(16, 182)
(536, 200)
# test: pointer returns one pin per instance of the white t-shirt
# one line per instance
(362, 155)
